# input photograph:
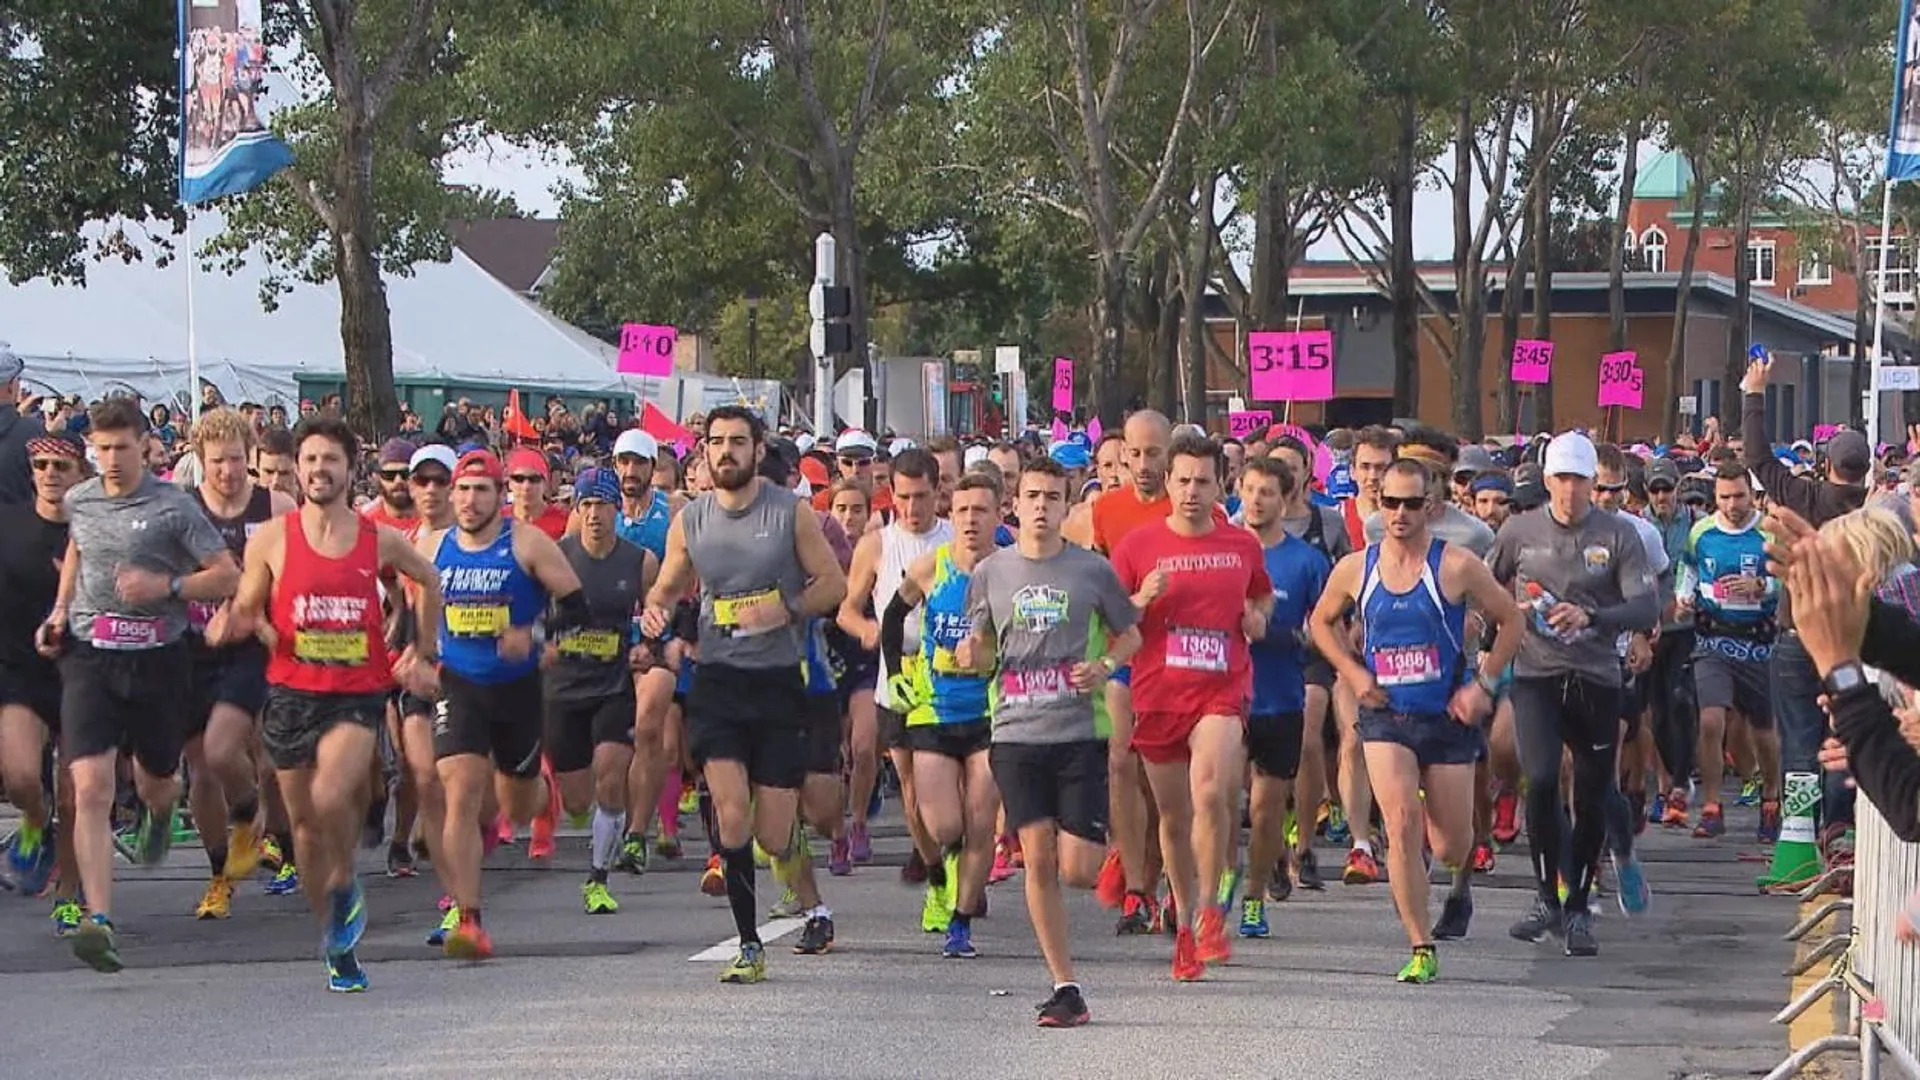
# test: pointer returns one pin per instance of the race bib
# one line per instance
(726, 610)
(477, 620)
(1196, 650)
(330, 646)
(602, 645)
(200, 614)
(1037, 686)
(1723, 596)
(1405, 665)
(125, 632)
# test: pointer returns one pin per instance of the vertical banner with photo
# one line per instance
(1903, 139)
(225, 147)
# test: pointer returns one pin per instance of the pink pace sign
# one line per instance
(1062, 384)
(1291, 365)
(1621, 380)
(646, 349)
(1250, 424)
(1532, 361)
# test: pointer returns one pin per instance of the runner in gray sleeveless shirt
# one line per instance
(763, 570)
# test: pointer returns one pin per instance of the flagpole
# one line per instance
(1879, 312)
(193, 344)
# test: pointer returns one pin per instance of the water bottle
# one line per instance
(1539, 602)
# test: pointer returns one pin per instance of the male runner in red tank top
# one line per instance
(313, 576)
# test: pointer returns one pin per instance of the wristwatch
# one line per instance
(174, 586)
(1106, 664)
(1845, 678)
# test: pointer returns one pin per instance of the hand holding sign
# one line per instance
(646, 349)
(1062, 384)
(1295, 365)
(1621, 380)
(1532, 361)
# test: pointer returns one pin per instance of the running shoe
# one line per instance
(1279, 884)
(597, 900)
(217, 901)
(123, 842)
(1002, 862)
(31, 861)
(1362, 868)
(816, 938)
(346, 918)
(546, 823)
(667, 847)
(270, 854)
(66, 916)
(959, 944)
(713, 882)
(1713, 823)
(1657, 810)
(243, 851)
(749, 965)
(1187, 966)
(1456, 917)
(1749, 792)
(788, 906)
(1483, 858)
(1423, 968)
(689, 799)
(1540, 922)
(344, 973)
(1579, 937)
(1675, 814)
(449, 919)
(1170, 924)
(1336, 829)
(1768, 831)
(1253, 918)
(632, 858)
(840, 857)
(399, 861)
(284, 882)
(859, 843)
(1214, 947)
(1635, 896)
(913, 873)
(1506, 818)
(93, 943)
(1307, 870)
(1110, 888)
(1137, 915)
(1065, 1009)
(469, 940)
(420, 852)
(937, 912)
(153, 838)
(1292, 830)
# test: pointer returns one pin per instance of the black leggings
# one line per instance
(1676, 720)
(1584, 717)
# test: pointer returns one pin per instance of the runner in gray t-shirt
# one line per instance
(1052, 621)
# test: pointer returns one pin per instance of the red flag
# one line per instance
(661, 426)
(515, 420)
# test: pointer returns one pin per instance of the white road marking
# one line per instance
(770, 932)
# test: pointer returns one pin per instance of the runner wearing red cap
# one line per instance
(528, 477)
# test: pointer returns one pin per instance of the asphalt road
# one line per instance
(1682, 993)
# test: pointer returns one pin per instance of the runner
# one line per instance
(948, 730)
(273, 463)
(497, 581)
(1203, 592)
(530, 482)
(313, 579)
(230, 684)
(590, 681)
(1583, 578)
(139, 551)
(1278, 718)
(33, 543)
(763, 568)
(1374, 450)
(1420, 706)
(1053, 623)
(1670, 680)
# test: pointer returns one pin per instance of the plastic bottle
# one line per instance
(1539, 602)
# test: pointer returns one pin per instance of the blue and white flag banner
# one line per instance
(225, 147)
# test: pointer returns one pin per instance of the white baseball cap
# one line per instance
(974, 456)
(804, 443)
(437, 453)
(899, 446)
(1571, 454)
(636, 442)
(853, 439)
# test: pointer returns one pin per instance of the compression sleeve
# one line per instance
(893, 631)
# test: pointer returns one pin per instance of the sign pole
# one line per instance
(825, 257)
(1879, 313)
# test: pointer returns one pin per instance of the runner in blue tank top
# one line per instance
(495, 581)
(1420, 706)
(948, 728)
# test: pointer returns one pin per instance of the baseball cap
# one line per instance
(523, 461)
(396, 451)
(637, 443)
(1492, 481)
(1662, 471)
(1529, 496)
(1474, 459)
(1069, 455)
(599, 484)
(1572, 454)
(479, 465)
(10, 363)
(434, 454)
(855, 443)
(1850, 456)
(805, 442)
(899, 446)
(974, 456)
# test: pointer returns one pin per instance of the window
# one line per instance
(1898, 288)
(1760, 262)
(1815, 269)
(1653, 250)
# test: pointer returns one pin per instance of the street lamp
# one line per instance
(753, 330)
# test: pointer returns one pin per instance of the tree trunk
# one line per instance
(1402, 272)
(1617, 258)
(1513, 297)
(1738, 331)
(1165, 391)
(366, 329)
(1193, 288)
(1110, 339)
(1470, 326)
(1271, 240)
(1677, 345)
(853, 274)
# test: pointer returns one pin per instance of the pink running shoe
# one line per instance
(1002, 863)
(840, 858)
(859, 843)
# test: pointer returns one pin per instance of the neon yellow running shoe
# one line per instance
(597, 899)
(937, 913)
(748, 966)
(1423, 968)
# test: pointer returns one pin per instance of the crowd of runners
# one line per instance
(1159, 665)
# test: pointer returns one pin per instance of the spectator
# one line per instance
(162, 420)
(277, 417)
(16, 475)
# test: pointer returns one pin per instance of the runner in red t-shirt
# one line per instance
(1203, 591)
(529, 477)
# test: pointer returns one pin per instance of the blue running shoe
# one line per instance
(345, 975)
(1657, 810)
(959, 942)
(1253, 917)
(1635, 896)
(66, 917)
(348, 919)
(31, 861)
(284, 882)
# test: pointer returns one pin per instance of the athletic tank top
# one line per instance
(235, 531)
(746, 555)
(485, 592)
(1413, 641)
(898, 549)
(958, 696)
(649, 530)
(326, 617)
(592, 661)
